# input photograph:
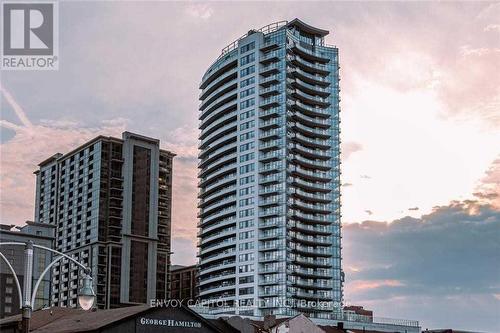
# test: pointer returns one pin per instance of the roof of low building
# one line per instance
(70, 320)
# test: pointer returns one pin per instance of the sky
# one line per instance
(420, 100)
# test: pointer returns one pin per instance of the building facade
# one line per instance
(184, 285)
(40, 234)
(110, 200)
(269, 175)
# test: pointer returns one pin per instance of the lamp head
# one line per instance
(86, 293)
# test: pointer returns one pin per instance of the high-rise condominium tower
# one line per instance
(110, 200)
(269, 228)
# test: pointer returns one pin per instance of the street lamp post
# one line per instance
(86, 293)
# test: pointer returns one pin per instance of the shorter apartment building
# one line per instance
(40, 234)
(184, 282)
(110, 200)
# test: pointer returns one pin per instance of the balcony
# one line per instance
(272, 112)
(313, 111)
(271, 201)
(217, 277)
(271, 234)
(272, 155)
(313, 218)
(217, 154)
(274, 144)
(273, 222)
(218, 93)
(270, 56)
(269, 45)
(208, 210)
(311, 67)
(309, 152)
(271, 69)
(271, 123)
(312, 186)
(271, 189)
(309, 121)
(314, 175)
(208, 173)
(231, 210)
(309, 99)
(217, 120)
(205, 260)
(309, 54)
(312, 273)
(214, 236)
(232, 74)
(220, 224)
(319, 197)
(222, 161)
(310, 142)
(215, 246)
(312, 251)
(217, 184)
(271, 79)
(311, 163)
(218, 68)
(271, 90)
(273, 178)
(308, 228)
(271, 101)
(216, 196)
(273, 133)
(312, 240)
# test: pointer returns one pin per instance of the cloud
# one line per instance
(365, 177)
(347, 184)
(201, 10)
(369, 212)
(488, 189)
(349, 148)
(31, 144)
(451, 253)
(492, 27)
(184, 251)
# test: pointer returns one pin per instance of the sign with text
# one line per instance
(30, 35)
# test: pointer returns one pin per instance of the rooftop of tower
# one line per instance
(276, 26)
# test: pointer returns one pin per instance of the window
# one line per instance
(246, 202)
(247, 92)
(247, 82)
(246, 279)
(247, 125)
(246, 180)
(246, 246)
(248, 103)
(247, 114)
(247, 157)
(247, 136)
(247, 168)
(246, 257)
(246, 213)
(247, 47)
(246, 291)
(246, 224)
(246, 268)
(247, 59)
(247, 190)
(247, 71)
(246, 234)
(246, 146)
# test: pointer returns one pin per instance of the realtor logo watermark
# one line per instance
(30, 35)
